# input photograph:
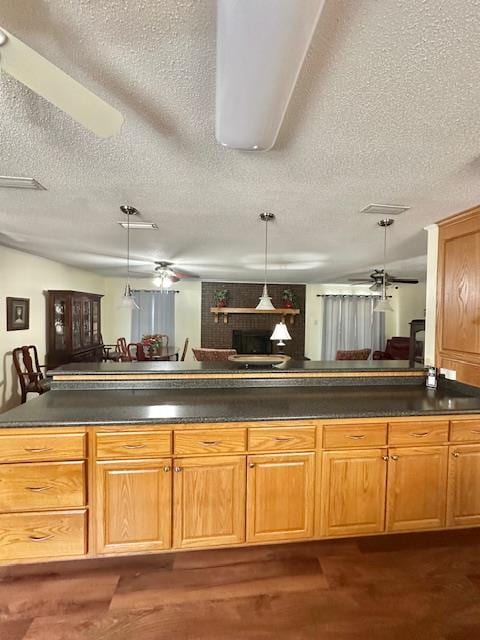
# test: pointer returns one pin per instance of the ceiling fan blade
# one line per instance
(404, 280)
(365, 280)
(41, 76)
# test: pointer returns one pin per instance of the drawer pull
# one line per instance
(210, 443)
(134, 446)
(394, 458)
(38, 449)
(178, 469)
(167, 468)
(252, 465)
(37, 489)
(419, 434)
(385, 458)
(40, 538)
(356, 437)
(283, 438)
(455, 454)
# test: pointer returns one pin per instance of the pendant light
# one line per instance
(127, 301)
(383, 304)
(265, 303)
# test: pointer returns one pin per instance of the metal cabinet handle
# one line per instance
(419, 434)
(283, 438)
(167, 468)
(210, 443)
(251, 465)
(356, 437)
(134, 446)
(37, 489)
(40, 538)
(394, 458)
(385, 458)
(178, 469)
(37, 449)
(455, 454)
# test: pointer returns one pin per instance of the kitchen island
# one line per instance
(175, 456)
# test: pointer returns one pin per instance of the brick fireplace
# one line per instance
(255, 328)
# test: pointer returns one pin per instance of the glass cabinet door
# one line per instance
(95, 321)
(76, 323)
(86, 322)
(59, 323)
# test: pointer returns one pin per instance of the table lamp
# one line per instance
(280, 333)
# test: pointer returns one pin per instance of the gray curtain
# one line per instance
(349, 322)
(156, 314)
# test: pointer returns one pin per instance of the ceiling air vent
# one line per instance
(385, 209)
(14, 182)
(139, 225)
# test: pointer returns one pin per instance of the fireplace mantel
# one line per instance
(226, 311)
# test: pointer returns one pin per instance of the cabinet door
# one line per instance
(133, 510)
(209, 501)
(86, 330)
(463, 496)
(417, 488)
(352, 492)
(280, 496)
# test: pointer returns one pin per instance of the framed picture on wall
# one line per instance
(18, 314)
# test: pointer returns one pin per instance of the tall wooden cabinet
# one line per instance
(74, 330)
(458, 296)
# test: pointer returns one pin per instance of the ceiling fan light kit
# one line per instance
(265, 303)
(261, 47)
(44, 78)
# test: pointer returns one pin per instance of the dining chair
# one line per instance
(185, 348)
(29, 371)
(123, 350)
(136, 351)
(213, 355)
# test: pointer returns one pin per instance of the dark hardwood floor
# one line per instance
(405, 587)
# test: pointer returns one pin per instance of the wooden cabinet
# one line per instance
(280, 496)
(458, 296)
(73, 327)
(463, 499)
(417, 488)
(209, 501)
(133, 505)
(352, 494)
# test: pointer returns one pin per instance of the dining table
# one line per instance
(164, 353)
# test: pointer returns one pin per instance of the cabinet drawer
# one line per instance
(46, 446)
(42, 535)
(465, 430)
(341, 436)
(133, 444)
(418, 432)
(281, 439)
(46, 485)
(209, 441)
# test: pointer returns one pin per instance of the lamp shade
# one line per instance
(280, 332)
(383, 305)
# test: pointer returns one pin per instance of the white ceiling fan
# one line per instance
(41, 76)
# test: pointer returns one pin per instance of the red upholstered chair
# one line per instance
(353, 354)
(29, 371)
(397, 348)
(213, 355)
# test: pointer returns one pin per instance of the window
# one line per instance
(349, 322)
(156, 314)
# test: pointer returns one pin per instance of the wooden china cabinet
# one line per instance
(73, 327)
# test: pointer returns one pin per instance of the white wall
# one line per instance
(408, 303)
(26, 276)
(116, 322)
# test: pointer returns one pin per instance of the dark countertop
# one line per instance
(292, 366)
(230, 405)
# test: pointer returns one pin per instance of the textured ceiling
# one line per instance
(386, 110)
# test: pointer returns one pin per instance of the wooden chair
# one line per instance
(213, 355)
(184, 352)
(136, 351)
(353, 354)
(29, 371)
(122, 349)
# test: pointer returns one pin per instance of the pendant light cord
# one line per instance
(266, 251)
(384, 296)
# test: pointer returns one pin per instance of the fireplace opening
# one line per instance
(251, 341)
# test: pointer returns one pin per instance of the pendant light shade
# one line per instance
(265, 301)
(127, 301)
